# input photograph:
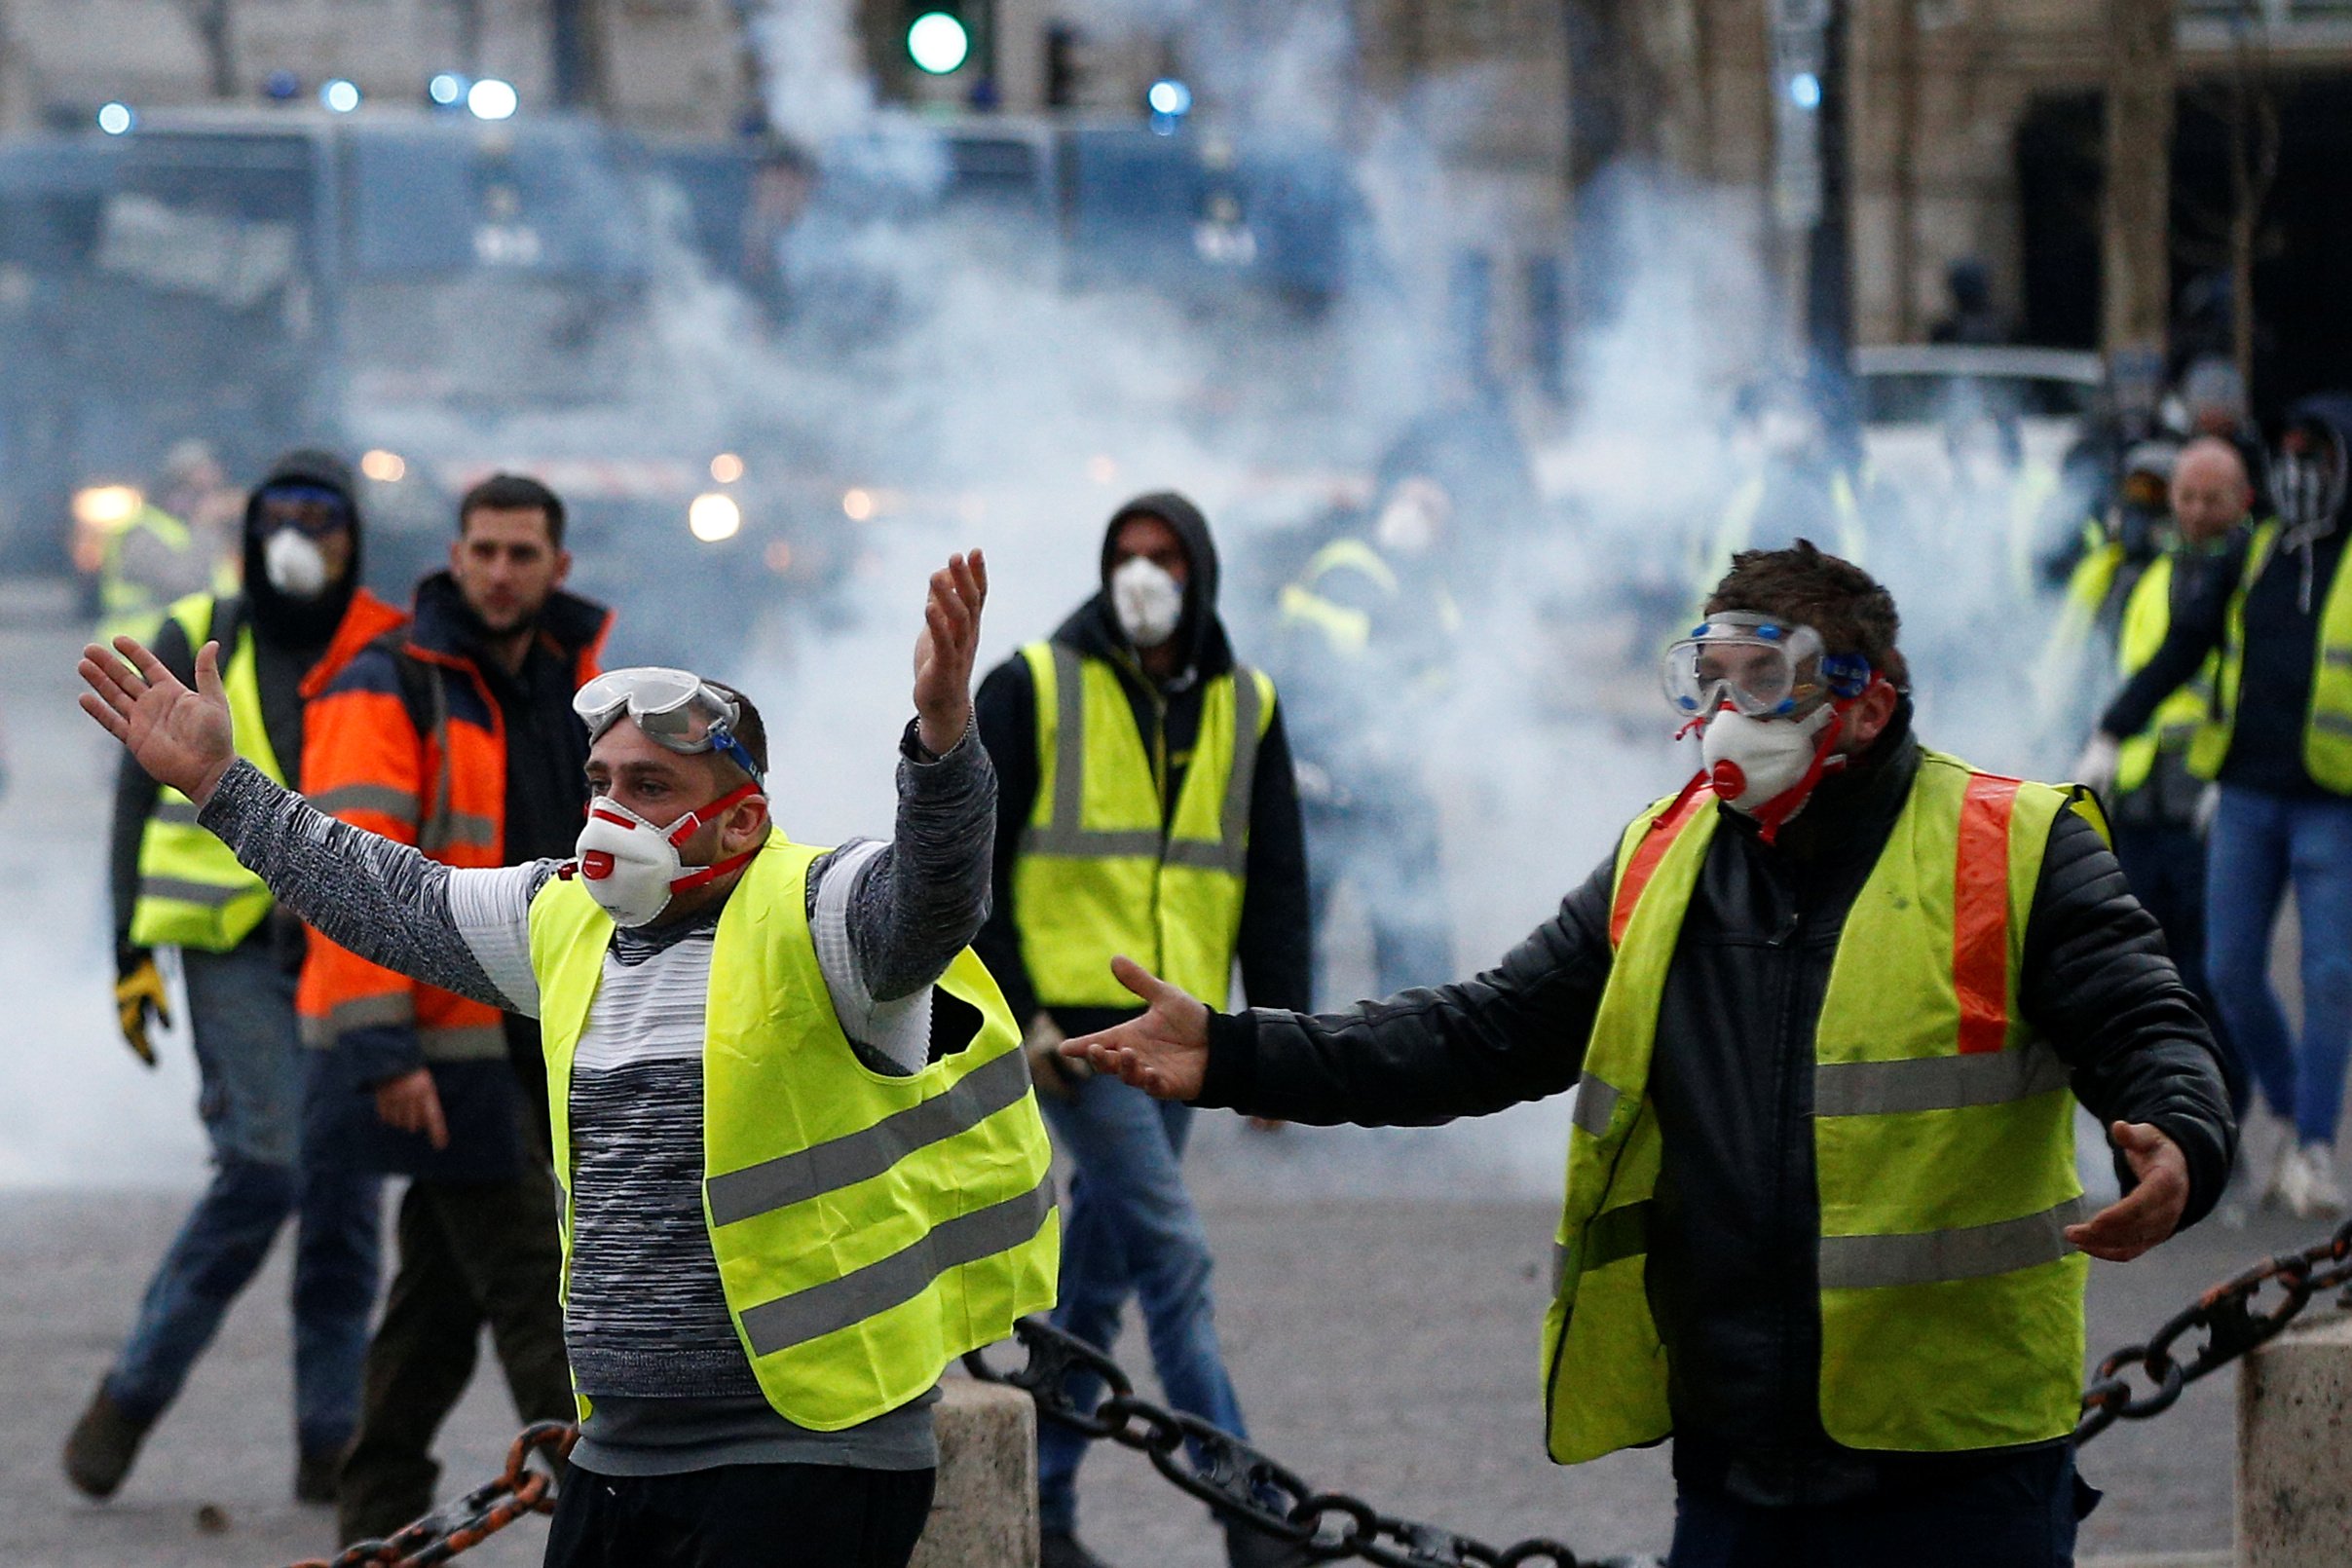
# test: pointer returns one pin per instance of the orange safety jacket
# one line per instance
(409, 742)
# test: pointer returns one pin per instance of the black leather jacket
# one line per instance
(1732, 1278)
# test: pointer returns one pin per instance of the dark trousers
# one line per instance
(472, 1252)
(742, 1516)
(2165, 864)
(2020, 1512)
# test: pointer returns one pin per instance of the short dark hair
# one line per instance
(514, 492)
(751, 730)
(1804, 587)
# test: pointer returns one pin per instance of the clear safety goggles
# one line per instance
(1758, 666)
(677, 709)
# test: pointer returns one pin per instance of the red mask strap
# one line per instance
(1773, 814)
(687, 826)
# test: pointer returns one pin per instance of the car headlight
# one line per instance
(106, 506)
(714, 517)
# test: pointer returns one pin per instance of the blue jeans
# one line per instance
(240, 1011)
(2259, 842)
(1130, 1227)
(2011, 1512)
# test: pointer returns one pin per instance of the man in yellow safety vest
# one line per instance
(801, 1167)
(1147, 807)
(1828, 1011)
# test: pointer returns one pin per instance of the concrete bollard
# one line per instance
(2295, 1446)
(984, 1512)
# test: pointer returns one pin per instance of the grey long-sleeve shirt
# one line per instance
(646, 1321)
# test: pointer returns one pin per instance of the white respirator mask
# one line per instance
(296, 566)
(1147, 600)
(1771, 705)
(632, 869)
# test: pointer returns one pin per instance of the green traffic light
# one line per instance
(938, 43)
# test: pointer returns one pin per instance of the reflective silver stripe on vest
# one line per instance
(1595, 1102)
(463, 1042)
(388, 1009)
(868, 1292)
(207, 895)
(2336, 656)
(2334, 724)
(1936, 1083)
(841, 1162)
(178, 813)
(1973, 1252)
(1065, 832)
(382, 798)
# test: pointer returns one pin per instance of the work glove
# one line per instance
(1056, 1075)
(2095, 769)
(139, 1001)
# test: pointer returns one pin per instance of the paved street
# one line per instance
(1383, 1346)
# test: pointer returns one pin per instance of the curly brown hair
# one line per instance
(1802, 585)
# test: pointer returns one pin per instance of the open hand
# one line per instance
(945, 652)
(181, 737)
(2148, 1213)
(1164, 1052)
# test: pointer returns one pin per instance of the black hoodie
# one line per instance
(1273, 949)
(290, 635)
(2283, 611)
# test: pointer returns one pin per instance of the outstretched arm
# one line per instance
(382, 900)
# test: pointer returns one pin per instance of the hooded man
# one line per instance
(1828, 1011)
(301, 617)
(2278, 610)
(1145, 806)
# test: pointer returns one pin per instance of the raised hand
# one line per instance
(181, 737)
(945, 652)
(1164, 1052)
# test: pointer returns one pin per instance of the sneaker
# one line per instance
(2307, 1183)
(99, 1449)
(2285, 1181)
(1062, 1548)
(315, 1476)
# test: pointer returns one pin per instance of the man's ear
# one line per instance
(563, 567)
(746, 825)
(1873, 711)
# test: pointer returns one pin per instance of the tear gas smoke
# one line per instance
(962, 390)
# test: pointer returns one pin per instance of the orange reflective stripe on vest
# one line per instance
(1980, 913)
(1653, 848)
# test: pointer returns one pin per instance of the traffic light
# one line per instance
(939, 35)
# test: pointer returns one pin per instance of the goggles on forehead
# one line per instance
(1758, 666)
(677, 709)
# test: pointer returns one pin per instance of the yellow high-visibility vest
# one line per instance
(2327, 728)
(2147, 617)
(1944, 1145)
(1102, 871)
(193, 892)
(868, 1229)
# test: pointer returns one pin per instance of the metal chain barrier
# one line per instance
(2233, 1322)
(521, 1488)
(1239, 1482)
(1244, 1483)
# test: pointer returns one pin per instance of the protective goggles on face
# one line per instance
(1759, 666)
(677, 709)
